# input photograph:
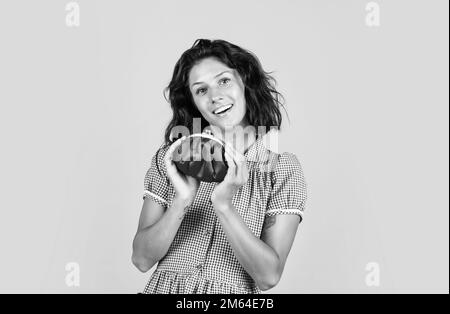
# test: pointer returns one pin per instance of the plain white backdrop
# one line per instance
(82, 112)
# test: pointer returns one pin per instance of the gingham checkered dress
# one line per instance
(200, 259)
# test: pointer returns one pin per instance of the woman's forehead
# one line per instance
(207, 69)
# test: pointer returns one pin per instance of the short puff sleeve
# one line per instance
(288, 194)
(156, 183)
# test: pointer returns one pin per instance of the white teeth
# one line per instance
(222, 109)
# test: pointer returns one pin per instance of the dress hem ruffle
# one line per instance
(171, 282)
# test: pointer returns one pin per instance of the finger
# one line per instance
(193, 181)
(241, 171)
(230, 160)
(229, 148)
(238, 157)
(230, 155)
(231, 164)
(173, 147)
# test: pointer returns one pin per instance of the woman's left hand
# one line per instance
(237, 175)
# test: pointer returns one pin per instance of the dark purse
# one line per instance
(202, 156)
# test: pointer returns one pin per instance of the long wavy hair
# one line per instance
(262, 99)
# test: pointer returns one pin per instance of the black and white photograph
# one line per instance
(241, 150)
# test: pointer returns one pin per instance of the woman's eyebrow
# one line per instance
(227, 71)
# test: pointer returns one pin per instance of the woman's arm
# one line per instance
(156, 232)
(157, 228)
(264, 258)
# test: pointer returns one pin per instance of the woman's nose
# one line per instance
(216, 96)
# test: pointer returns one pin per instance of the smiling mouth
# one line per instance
(223, 110)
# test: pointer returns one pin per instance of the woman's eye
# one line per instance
(200, 91)
(224, 81)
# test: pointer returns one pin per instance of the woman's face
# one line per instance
(215, 87)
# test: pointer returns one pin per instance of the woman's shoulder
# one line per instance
(157, 158)
(279, 158)
(283, 164)
(161, 150)
(288, 159)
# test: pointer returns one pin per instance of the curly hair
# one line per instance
(262, 99)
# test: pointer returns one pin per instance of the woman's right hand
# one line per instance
(185, 186)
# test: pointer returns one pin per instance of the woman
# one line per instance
(227, 237)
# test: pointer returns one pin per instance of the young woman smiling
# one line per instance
(227, 237)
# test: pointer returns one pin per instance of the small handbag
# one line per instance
(202, 156)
